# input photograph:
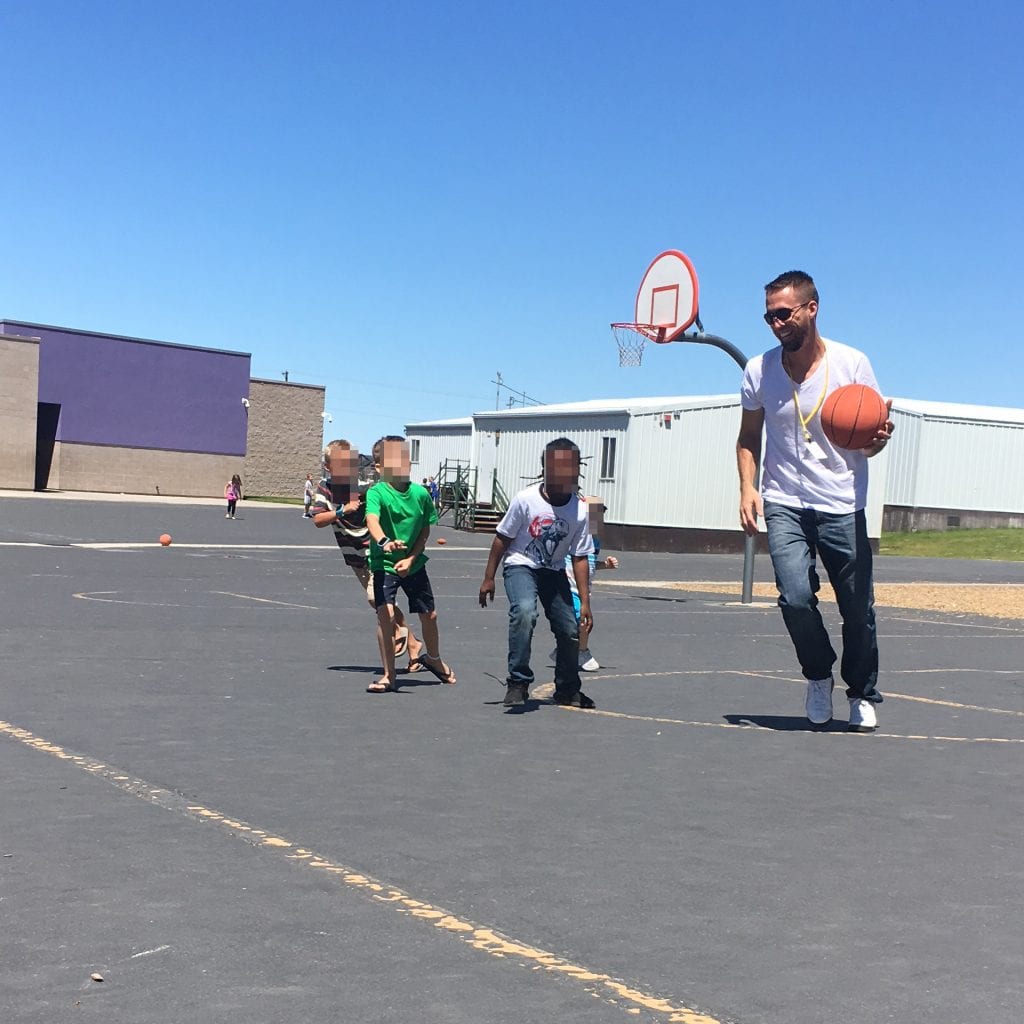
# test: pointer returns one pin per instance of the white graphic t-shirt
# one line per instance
(542, 534)
(795, 474)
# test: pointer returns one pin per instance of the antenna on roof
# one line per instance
(515, 397)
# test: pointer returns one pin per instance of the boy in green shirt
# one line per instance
(399, 515)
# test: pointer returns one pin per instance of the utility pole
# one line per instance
(524, 398)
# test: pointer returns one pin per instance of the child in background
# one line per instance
(339, 503)
(307, 495)
(399, 515)
(595, 519)
(544, 523)
(231, 495)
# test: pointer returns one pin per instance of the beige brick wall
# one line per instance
(86, 467)
(19, 397)
(285, 437)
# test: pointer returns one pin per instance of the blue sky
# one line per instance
(399, 199)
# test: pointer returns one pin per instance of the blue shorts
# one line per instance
(416, 587)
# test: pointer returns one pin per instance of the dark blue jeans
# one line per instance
(841, 541)
(525, 588)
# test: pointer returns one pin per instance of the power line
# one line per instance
(515, 397)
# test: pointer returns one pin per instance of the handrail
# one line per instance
(499, 499)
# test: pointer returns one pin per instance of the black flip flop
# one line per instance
(424, 663)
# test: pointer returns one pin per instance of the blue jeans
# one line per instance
(841, 541)
(525, 588)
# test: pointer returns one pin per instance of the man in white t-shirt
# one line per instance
(543, 524)
(812, 496)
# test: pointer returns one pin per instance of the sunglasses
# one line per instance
(783, 314)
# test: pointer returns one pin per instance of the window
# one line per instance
(607, 458)
(414, 449)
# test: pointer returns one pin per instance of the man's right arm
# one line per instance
(748, 457)
(498, 548)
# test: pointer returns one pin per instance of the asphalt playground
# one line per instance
(202, 806)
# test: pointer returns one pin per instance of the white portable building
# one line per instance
(954, 465)
(665, 467)
(433, 443)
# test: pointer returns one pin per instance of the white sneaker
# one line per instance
(588, 663)
(818, 702)
(862, 716)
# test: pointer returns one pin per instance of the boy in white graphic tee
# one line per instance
(543, 524)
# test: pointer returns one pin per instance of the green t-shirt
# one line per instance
(403, 514)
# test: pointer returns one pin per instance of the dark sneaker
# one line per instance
(515, 695)
(574, 700)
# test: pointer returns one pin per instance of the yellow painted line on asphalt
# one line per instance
(951, 704)
(801, 681)
(753, 726)
(487, 940)
(942, 671)
(1013, 630)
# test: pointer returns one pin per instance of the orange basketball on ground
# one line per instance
(852, 415)
(441, 540)
(165, 539)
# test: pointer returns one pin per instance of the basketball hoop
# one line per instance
(631, 339)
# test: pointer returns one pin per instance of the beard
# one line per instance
(794, 339)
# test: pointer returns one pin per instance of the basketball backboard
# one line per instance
(668, 295)
(666, 304)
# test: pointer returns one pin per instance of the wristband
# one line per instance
(383, 541)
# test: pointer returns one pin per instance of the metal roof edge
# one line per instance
(123, 337)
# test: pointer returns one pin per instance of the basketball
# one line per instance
(441, 540)
(165, 539)
(852, 415)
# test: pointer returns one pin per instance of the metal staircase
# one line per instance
(457, 484)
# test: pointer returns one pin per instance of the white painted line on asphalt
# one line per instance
(148, 952)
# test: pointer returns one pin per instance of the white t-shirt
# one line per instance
(793, 474)
(542, 534)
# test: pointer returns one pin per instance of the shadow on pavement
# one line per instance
(784, 723)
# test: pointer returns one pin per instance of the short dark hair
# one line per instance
(560, 444)
(378, 446)
(798, 281)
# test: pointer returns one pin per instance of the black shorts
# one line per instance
(416, 587)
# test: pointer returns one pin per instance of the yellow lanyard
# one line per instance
(804, 420)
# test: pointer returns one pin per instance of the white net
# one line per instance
(631, 339)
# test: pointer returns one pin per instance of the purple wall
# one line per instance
(141, 394)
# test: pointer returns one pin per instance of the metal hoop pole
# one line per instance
(749, 543)
(713, 339)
